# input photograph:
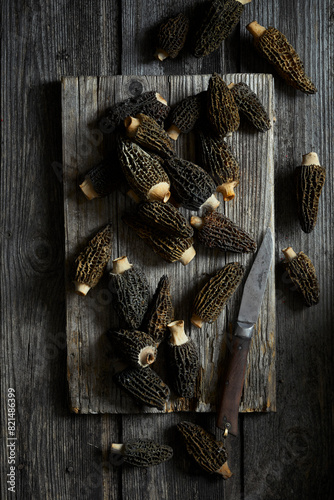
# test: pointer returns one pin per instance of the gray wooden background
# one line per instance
(284, 455)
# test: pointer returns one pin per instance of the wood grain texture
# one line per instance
(89, 359)
(283, 455)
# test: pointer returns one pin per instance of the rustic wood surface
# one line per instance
(59, 455)
(89, 353)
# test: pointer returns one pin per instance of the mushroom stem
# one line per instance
(197, 222)
(161, 99)
(133, 196)
(173, 132)
(255, 29)
(225, 471)
(81, 288)
(117, 448)
(88, 189)
(188, 255)
(120, 265)
(310, 159)
(159, 192)
(161, 54)
(230, 85)
(210, 204)
(196, 321)
(178, 335)
(131, 124)
(147, 356)
(244, 2)
(289, 254)
(227, 190)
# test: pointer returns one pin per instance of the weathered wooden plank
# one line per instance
(56, 454)
(89, 365)
(296, 443)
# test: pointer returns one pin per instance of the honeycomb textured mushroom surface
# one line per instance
(172, 36)
(160, 312)
(222, 111)
(250, 106)
(143, 453)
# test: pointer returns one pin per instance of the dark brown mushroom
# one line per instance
(310, 178)
(144, 385)
(210, 454)
(91, 262)
(172, 36)
(222, 111)
(166, 218)
(250, 106)
(302, 274)
(130, 291)
(183, 360)
(142, 452)
(160, 311)
(212, 298)
(218, 231)
(274, 47)
(147, 133)
(135, 347)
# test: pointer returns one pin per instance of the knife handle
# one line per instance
(233, 382)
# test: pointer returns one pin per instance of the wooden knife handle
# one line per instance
(233, 382)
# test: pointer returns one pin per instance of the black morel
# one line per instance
(250, 106)
(185, 115)
(210, 454)
(135, 347)
(222, 111)
(170, 248)
(142, 452)
(130, 291)
(274, 46)
(215, 230)
(218, 160)
(150, 103)
(166, 218)
(310, 178)
(148, 133)
(212, 298)
(144, 385)
(143, 172)
(91, 262)
(160, 312)
(302, 274)
(172, 36)
(220, 20)
(183, 360)
(192, 186)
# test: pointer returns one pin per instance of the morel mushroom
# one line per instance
(192, 186)
(160, 311)
(210, 454)
(91, 262)
(142, 452)
(219, 161)
(302, 274)
(184, 116)
(102, 179)
(212, 298)
(310, 178)
(135, 347)
(172, 36)
(130, 291)
(183, 360)
(220, 20)
(218, 231)
(150, 103)
(144, 173)
(250, 106)
(170, 248)
(274, 47)
(144, 385)
(222, 111)
(148, 133)
(166, 218)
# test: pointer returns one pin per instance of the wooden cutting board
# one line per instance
(90, 362)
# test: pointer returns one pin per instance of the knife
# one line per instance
(234, 376)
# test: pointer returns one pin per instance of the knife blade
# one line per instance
(234, 376)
